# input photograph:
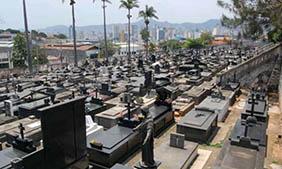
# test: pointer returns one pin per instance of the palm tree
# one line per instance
(129, 5)
(105, 29)
(29, 59)
(72, 2)
(148, 14)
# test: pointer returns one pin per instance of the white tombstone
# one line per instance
(92, 127)
(8, 104)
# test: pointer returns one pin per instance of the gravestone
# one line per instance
(177, 140)
(157, 69)
(8, 104)
(120, 166)
(148, 79)
(198, 125)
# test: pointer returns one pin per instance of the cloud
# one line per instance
(43, 13)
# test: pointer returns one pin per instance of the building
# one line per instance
(122, 36)
(123, 50)
(221, 40)
(81, 35)
(154, 34)
(6, 50)
(66, 51)
(188, 35)
(116, 31)
(197, 34)
(215, 31)
(70, 32)
(134, 32)
(170, 33)
(160, 34)
(7, 36)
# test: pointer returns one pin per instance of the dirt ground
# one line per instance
(274, 149)
(225, 129)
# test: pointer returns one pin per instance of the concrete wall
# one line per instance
(248, 71)
(4, 73)
(280, 90)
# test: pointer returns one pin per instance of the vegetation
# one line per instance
(19, 51)
(105, 29)
(194, 43)
(145, 35)
(152, 47)
(37, 35)
(72, 3)
(216, 145)
(60, 36)
(39, 56)
(13, 31)
(112, 49)
(129, 5)
(170, 45)
(147, 14)
(255, 17)
(206, 38)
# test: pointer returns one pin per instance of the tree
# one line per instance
(206, 38)
(152, 48)
(19, 51)
(193, 43)
(60, 36)
(147, 14)
(112, 49)
(255, 17)
(275, 35)
(105, 29)
(170, 45)
(145, 35)
(72, 2)
(129, 5)
(34, 33)
(13, 31)
(42, 35)
(39, 56)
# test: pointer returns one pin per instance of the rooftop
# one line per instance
(6, 44)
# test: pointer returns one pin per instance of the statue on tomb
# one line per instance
(218, 93)
(140, 63)
(146, 129)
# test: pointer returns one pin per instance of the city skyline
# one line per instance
(195, 12)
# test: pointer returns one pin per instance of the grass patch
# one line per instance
(275, 162)
(217, 145)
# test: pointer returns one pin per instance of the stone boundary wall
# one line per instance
(280, 85)
(263, 60)
(5, 72)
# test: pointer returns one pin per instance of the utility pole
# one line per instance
(72, 2)
(29, 59)
(105, 33)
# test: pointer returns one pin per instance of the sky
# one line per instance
(44, 13)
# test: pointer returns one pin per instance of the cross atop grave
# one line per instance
(128, 100)
(21, 127)
(251, 119)
(253, 102)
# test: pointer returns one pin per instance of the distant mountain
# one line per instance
(56, 29)
(208, 25)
